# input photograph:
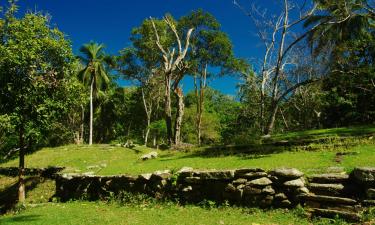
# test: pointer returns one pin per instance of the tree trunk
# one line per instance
(148, 111)
(82, 125)
(147, 131)
(91, 111)
(168, 110)
(179, 115)
(271, 121)
(21, 167)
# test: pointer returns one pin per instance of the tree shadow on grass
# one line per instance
(20, 219)
(9, 195)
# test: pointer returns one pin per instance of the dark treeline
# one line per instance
(316, 71)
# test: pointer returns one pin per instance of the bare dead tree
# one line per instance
(279, 39)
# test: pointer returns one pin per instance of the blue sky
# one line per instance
(110, 22)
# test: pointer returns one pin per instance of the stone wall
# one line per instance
(323, 195)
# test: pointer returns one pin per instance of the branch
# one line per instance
(158, 38)
(297, 86)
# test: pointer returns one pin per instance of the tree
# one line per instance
(344, 38)
(211, 49)
(281, 39)
(132, 65)
(94, 74)
(35, 67)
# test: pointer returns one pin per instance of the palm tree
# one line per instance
(341, 20)
(94, 73)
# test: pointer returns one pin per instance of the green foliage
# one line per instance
(37, 65)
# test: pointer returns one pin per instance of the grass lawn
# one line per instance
(109, 160)
(102, 213)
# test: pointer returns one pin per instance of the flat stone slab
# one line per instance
(330, 213)
(330, 199)
(287, 173)
(215, 175)
(329, 178)
(329, 188)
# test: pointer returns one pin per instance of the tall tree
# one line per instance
(281, 38)
(35, 65)
(94, 74)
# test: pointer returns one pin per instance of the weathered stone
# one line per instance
(268, 190)
(241, 186)
(266, 201)
(193, 180)
(240, 172)
(239, 181)
(145, 176)
(285, 203)
(336, 169)
(264, 181)
(370, 193)
(334, 213)
(287, 173)
(303, 190)
(185, 172)
(329, 178)
(254, 175)
(151, 155)
(300, 182)
(160, 175)
(334, 189)
(280, 196)
(365, 175)
(217, 175)
(330, 199)
(251, 190)
(187, 189)
(230, 188)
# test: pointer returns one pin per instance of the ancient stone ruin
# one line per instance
(327, 195)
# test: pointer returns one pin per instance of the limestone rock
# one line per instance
(280, 196)
(287, 173)
(185, 172)
(300, 182)
(303, 190)
(251, 190)
(254, 175)
(151, 155)
(230, 188)
(264, 181)
(239, 181)
(268, 190)
(161, 175)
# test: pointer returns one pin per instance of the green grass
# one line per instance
(354, 131)
(109, 160)
(102, 213)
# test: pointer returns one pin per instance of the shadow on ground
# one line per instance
(9, 195)
(19, 219)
